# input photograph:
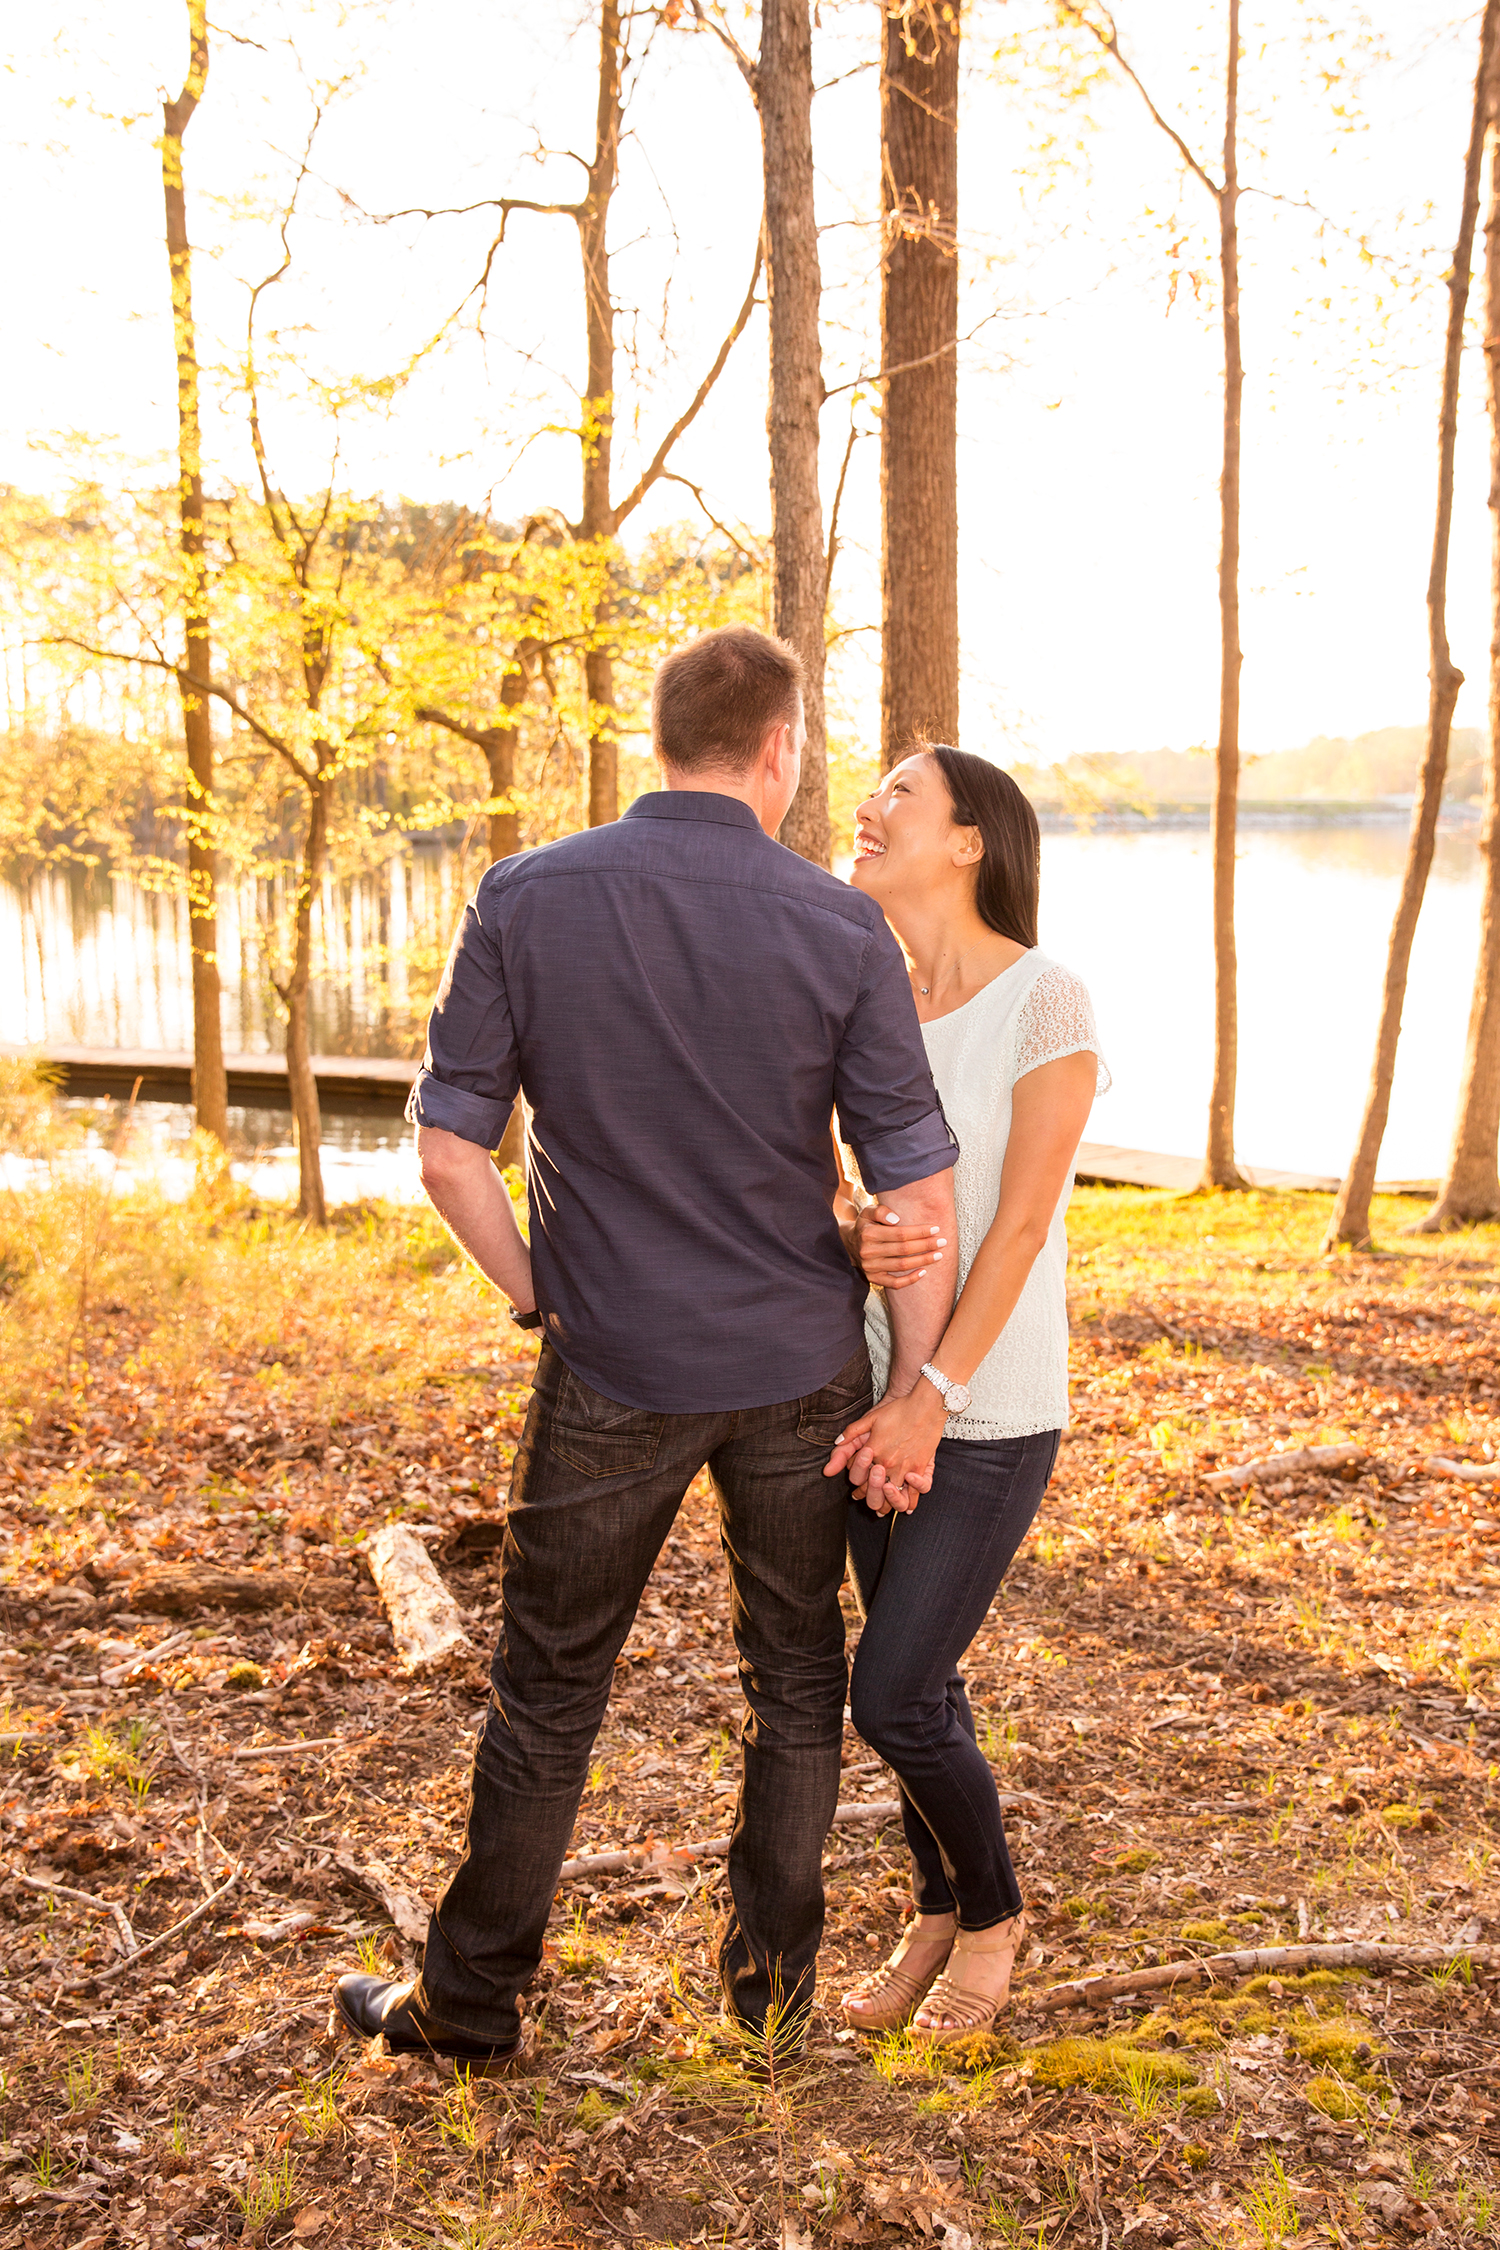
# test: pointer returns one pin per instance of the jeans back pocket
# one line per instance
(597, 1435)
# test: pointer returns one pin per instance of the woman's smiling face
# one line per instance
(905, 840)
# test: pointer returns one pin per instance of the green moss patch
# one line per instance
(595, 2109)
(1206, 1933)
(1104, 2064)
(1332, 2042)
(1135, 1863)
(1314, 1984)
(1337, 2099)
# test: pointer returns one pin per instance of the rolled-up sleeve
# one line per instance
(888, 1106)
(470, 1075)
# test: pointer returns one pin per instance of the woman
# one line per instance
(949, 847)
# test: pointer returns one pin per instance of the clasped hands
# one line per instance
(888, 1452)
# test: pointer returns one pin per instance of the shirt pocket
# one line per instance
(822, 1414)
(598, 1436)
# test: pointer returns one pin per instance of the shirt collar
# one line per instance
(693, 804)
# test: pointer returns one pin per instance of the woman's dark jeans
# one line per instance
(924, 1583)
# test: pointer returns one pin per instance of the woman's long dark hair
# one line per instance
(1009, 877)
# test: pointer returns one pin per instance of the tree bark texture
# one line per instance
(597, 522)
(500, 754)
(919, 353)
(784, 97)
(498, 744)
(1471, 1187)
(1219, 1169)
(210, 1091)
(307, 1115)
(1350, 1221)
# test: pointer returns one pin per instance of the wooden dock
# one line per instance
(377, 1086)
(1100, 1165)
(348, 1085)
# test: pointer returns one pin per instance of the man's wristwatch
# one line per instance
(955, 1396)
(527, 1319)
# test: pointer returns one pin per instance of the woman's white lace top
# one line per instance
(1035, 1013)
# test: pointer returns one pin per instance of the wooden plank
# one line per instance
(1100, 1164)
(364, 1085)
(348, 1085)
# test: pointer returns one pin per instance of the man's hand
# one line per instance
(893, 1256)
(890, 1450)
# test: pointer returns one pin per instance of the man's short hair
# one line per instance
(715, 701)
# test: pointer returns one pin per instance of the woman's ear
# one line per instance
(969, 850)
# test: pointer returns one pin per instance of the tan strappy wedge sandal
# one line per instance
(887, 1997)
(952, 2009)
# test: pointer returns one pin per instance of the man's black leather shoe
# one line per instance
(377, 2007)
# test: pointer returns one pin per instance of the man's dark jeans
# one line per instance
(595, 1491)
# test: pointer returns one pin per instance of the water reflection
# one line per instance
(92, 960)
(1133, 914)
(99, 962)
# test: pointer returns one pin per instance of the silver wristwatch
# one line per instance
(955, 1396)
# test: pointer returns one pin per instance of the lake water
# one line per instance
(105, 964)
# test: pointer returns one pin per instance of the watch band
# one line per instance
(955, 1396)
(527, 1319)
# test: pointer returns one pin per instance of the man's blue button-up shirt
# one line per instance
(684, 1004)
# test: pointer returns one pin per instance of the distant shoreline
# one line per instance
(1455, 819)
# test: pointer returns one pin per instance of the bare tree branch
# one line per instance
(833, 520)
(1109, 40)
(657, 465)
(185, 678)
(671, 476)
(747, 67)
(905, 366)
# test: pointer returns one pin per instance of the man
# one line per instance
(683, 1003)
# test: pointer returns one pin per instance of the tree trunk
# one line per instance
(500, 753)
(306, 1116)
(919, 346)
(1219, 1169)
(1350, 1221)
(784, 96)
(604, 749)
(210, 1092)
(1471, 1189)
(597, 522)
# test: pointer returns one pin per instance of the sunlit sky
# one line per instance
(1088, 399)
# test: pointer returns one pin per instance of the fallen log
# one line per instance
(1466, 1472)
(425, 1619)
(182, 1589)
(1277, 1465)
(667, 1858)
(1255, 1961)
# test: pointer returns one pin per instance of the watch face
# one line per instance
(958, 1399)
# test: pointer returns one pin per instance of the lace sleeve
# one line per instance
(1057, 1019)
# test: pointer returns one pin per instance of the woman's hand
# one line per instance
(889, 1451)
(890, 1255)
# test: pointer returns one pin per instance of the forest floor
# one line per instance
(1238, 1718)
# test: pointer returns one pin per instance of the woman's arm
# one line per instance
(1049, 1109)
